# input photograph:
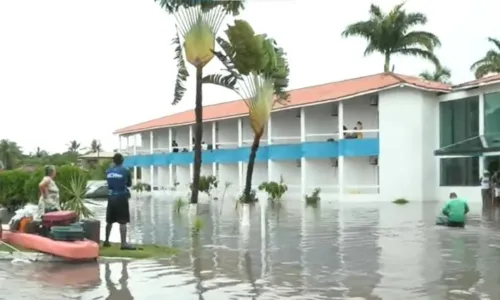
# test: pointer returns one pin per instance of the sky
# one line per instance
(78, 70)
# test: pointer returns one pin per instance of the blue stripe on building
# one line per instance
(280, 152)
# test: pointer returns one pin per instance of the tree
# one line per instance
(10, 154)
(261, 71)
(95, 147)
(490, 63)
(73, 146)
(440, 74)
(390, 34)
(197, 23)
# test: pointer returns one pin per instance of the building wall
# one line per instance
(401, 158)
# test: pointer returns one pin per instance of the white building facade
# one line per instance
(373, 137)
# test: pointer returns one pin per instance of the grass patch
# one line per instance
(146, 251)
(400, 201)
(143, 251)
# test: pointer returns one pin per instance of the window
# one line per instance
(492, 113)
(459, 171)
(459, 120)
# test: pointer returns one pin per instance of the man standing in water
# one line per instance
(486, 188)
(455, 209)
(119, 181)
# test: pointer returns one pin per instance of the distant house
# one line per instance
(96, 157)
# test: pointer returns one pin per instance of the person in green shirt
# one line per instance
(455, 209)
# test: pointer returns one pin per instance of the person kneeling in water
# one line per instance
(455, 209)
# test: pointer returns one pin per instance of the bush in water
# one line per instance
(314, 198)
(18, 187)
(275, 190)
(207, 183)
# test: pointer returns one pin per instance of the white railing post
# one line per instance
(240, 163)
(340, 169)
(191, 165)
(152, 167)
(170, 167)
(270, 142)
(135, 153)
(303, 167)
(214, 142)
(119, 143)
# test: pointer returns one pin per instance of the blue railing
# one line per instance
(280, 152)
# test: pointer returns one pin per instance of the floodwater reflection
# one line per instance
(346, 251)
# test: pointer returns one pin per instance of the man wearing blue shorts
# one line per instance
(117, 211)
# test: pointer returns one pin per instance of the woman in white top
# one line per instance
(49, 192)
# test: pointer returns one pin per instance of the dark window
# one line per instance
(492, 114)
(459, 120)
(459, 171)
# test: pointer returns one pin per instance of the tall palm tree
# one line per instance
(440, 74)
(73, 146)
(197, 23)
(96, 147)
(41, 153)
(10, 154)
(391, 34)
(261, 70)
(490, 63)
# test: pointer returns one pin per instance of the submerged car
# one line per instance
(97, 189)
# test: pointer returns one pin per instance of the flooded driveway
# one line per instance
(346, 251)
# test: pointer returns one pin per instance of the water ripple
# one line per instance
(351, 251)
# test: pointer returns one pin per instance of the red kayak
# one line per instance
(77, 250)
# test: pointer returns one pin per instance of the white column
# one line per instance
(340, 168)
(481, 132)
(170, 167)
(269, 142)
(303, 168)
(135, 153)
(119, 143)
(191, 166)
(240, 163)
(214, 142)
(151, 151)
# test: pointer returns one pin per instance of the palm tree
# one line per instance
(10, 154)
(390, 34)
(95, 147)
(440, 74)
(73, 146)
(197, 23)
(490, 63)
(261, 70)
(41, 153)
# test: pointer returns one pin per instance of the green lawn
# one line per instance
(144, 251)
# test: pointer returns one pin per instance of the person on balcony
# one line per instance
(359, 126)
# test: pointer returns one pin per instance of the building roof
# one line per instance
(98, 155)
(487, 80)
(328, 92)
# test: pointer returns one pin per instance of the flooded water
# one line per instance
(337, 251)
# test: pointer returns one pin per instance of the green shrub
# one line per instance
(76, 202)
(275, 190)
(314, 198)
(207, 183)
(400, 201)
(251, 199)
(18, 188)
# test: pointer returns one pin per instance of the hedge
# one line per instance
(19, 187)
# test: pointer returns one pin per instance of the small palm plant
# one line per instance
(76, 201)
(261, 71)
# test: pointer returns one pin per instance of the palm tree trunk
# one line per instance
(251, 163)
(198, 135)
(387, 64)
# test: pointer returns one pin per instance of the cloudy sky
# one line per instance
(78, 70)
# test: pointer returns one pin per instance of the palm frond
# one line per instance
(226, 81)
(376, 12)
(496, 42)
(424, 39)
(230, 7)
(364, 29)
(182, 72)
(419, 53)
